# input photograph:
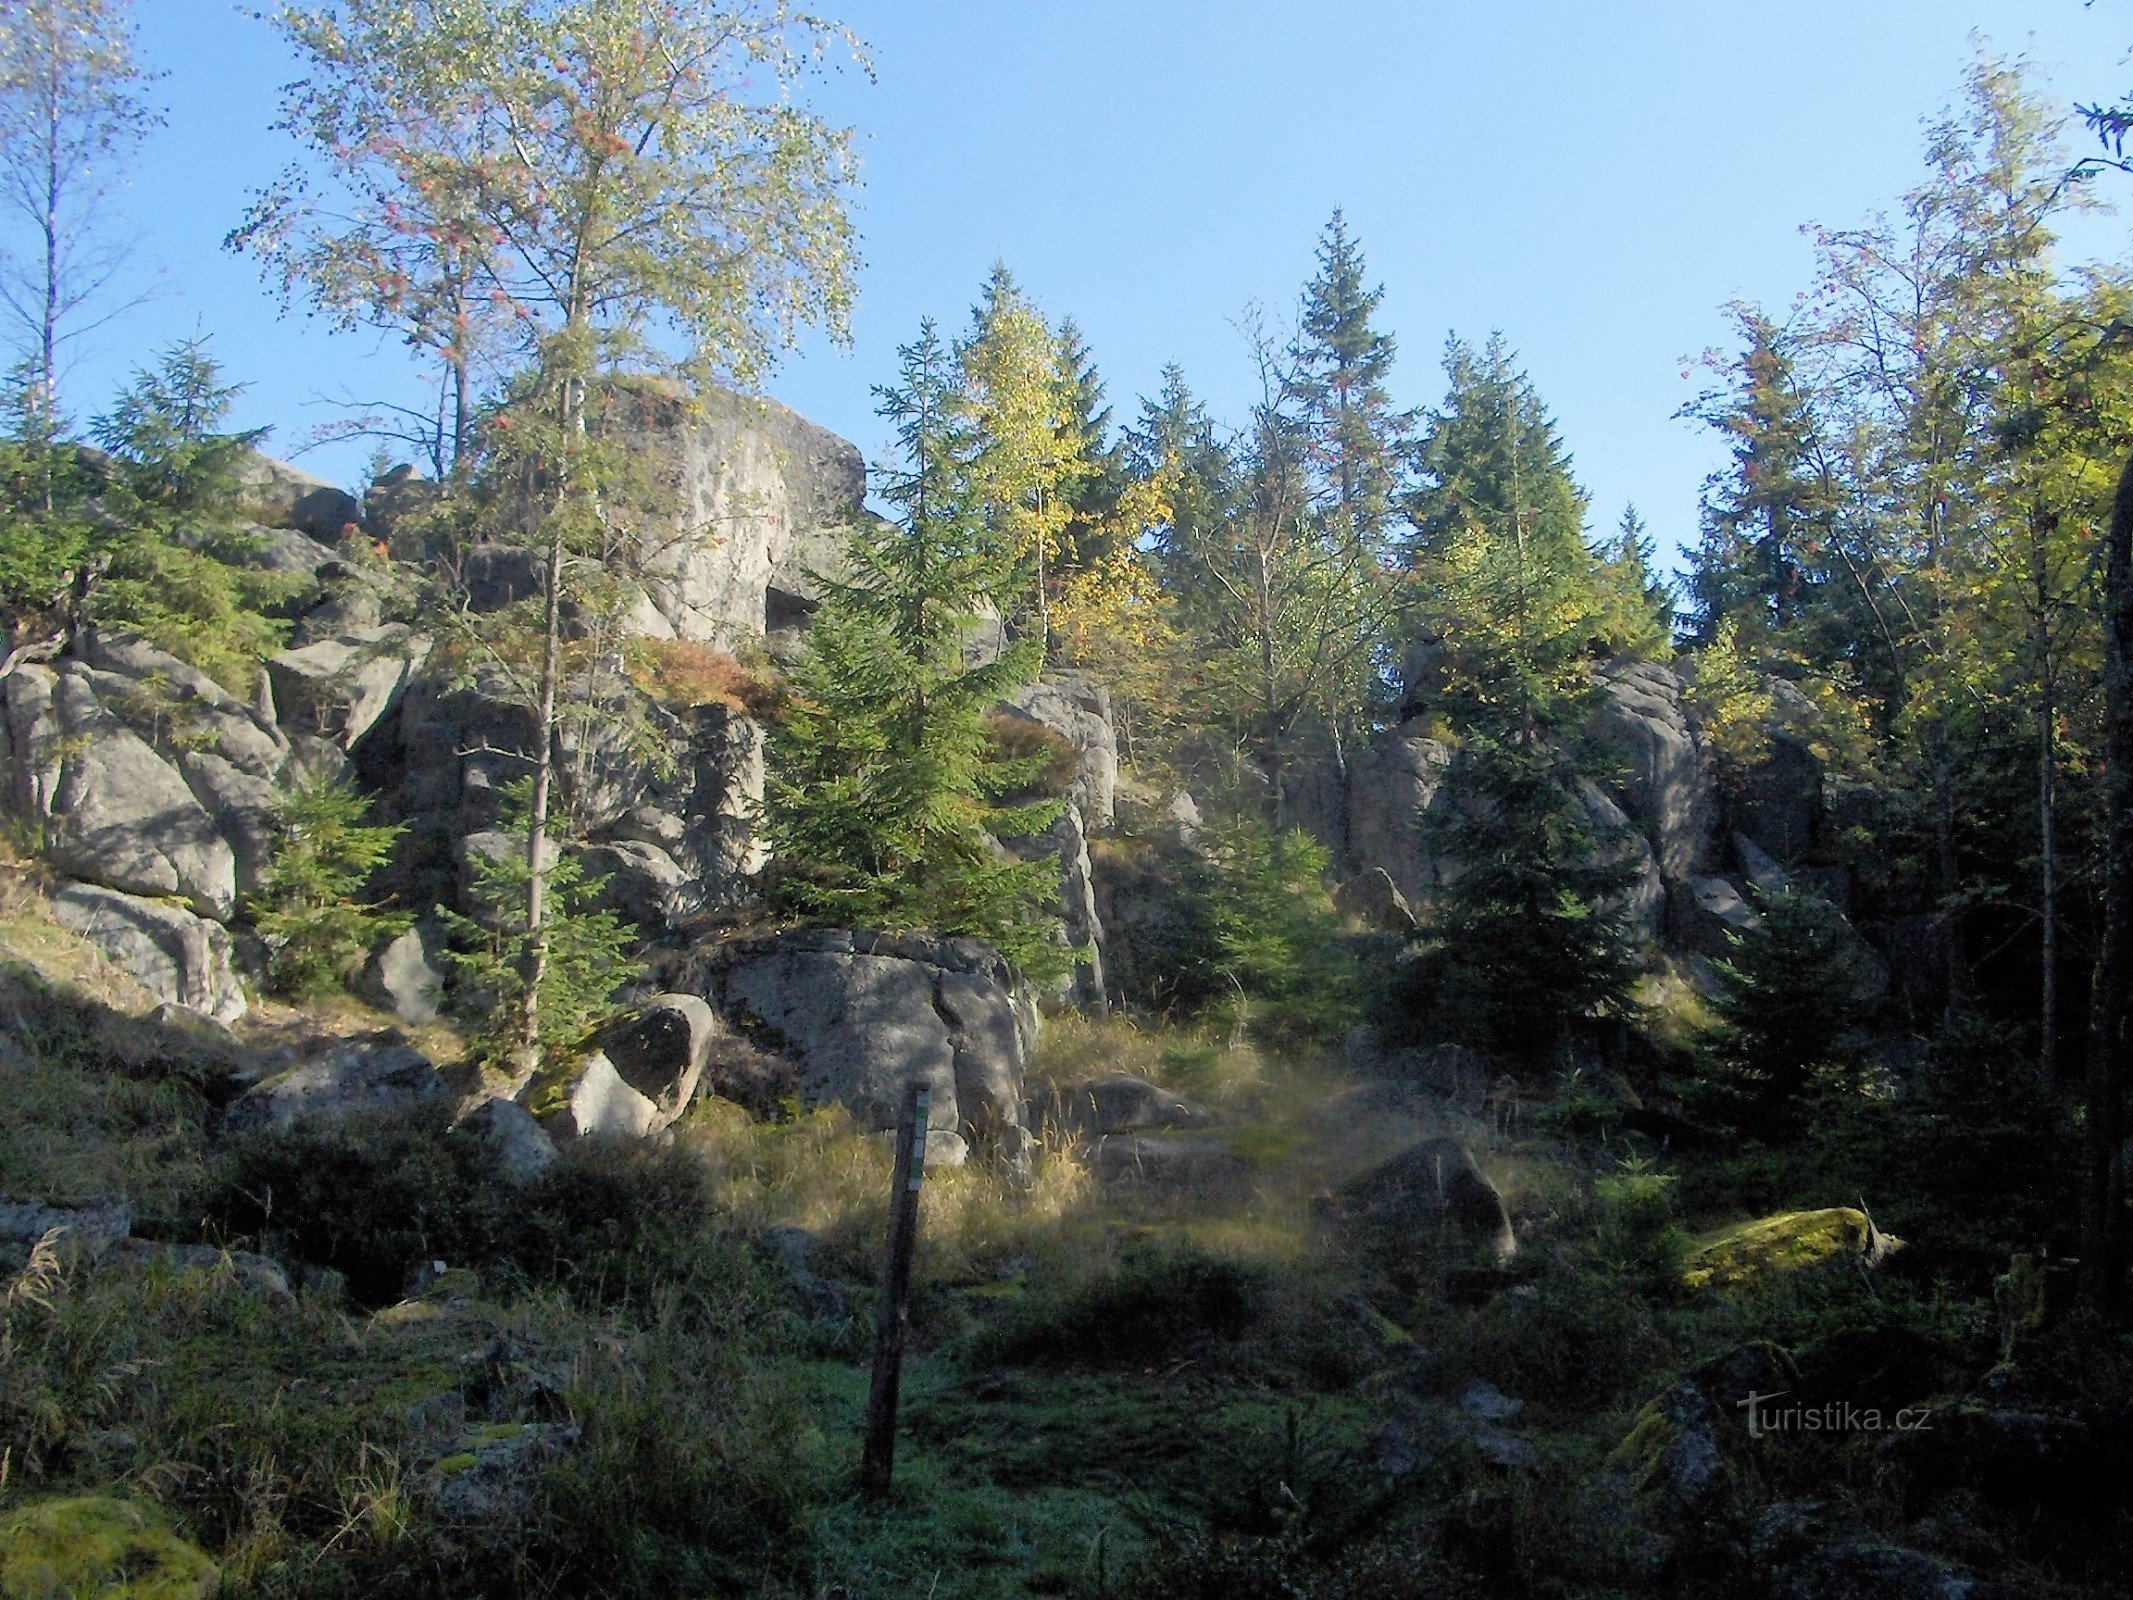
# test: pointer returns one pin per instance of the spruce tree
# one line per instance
(1510, 601)
(308, 908)
(887, 794)
(1761, 514)
(1530, 937)
(1355, 438)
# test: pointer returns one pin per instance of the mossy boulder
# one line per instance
(97, 1545)
(1750, 1252)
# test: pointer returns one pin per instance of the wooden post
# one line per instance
(891, 1310)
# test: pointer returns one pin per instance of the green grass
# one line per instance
(1108, 1393)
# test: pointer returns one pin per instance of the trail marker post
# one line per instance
(891, 1312)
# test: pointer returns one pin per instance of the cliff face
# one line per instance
(761, 494)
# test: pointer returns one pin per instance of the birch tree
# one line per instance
(73, 110)
(622, 184)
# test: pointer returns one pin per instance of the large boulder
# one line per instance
(92, 1229)
(861, 1015)
(281, 496)
(405, 977)
(377, 1076)
(1752, 1253)
(641, 883)
(662, 1051)
(760, 491)
(1435, 1185)
(592, 1101)
(241, 805)
(1664, 778)
(1076, 708)
(177, 957)
(1393, 791)
(340, 688)
(176, 707)
(92, 1545)
(123, 817)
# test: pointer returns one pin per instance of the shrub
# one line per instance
(1155, 1301)
(587, 959)
(1251, 931)
(308, 913)
(691, 672)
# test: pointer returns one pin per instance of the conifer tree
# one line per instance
(1354, 437)
(887, 794)
(308, 908)
(1641, 600)
(1510, 604)
(1765, 516)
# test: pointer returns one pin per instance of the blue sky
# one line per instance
(1594, 179)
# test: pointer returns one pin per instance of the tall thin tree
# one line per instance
(73, 110)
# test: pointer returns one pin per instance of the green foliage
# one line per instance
(307, 907)
(887, 793)
(1532, 937)
(1253, 930)
(1156, 1301)
(173, 489)
(587, 948)
(144, 537)
(1507, 592)
(1790, 1002)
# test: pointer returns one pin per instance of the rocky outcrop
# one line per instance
(1664, 782)
(1075, 707)
(149, 777)
(860, 1015)
(762, 492)
(177, 957)
(339, 688)
(371, 1077)
(281, 496)
(123, 817)
(1393, 792)
(665, 797)
(1432, 1185)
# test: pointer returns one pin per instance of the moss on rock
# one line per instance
(1748, 1252)
(97, 1545)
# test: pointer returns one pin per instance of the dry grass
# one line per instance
(689, 672)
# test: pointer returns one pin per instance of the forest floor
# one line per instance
(646, 1376)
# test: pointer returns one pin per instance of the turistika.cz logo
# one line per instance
(1833, 1416)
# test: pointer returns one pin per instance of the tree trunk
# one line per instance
(2047, 812)
(2103, 1198)
(535, 966)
